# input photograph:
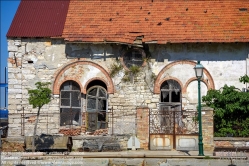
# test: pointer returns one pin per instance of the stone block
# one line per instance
(15, 125)
(29, 76)
(12, 108)
(14, 81)
(152, 105)
(14, 132)
(17, 121)
(18, 55)
(11, 55)
(19, 107)
(14, 91)
(13, 101)
(12, 48)
(17, 86)
(18, 96)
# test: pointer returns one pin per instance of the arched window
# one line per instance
(170, 92)
(96, 107)
(70, 104)
(170, 102)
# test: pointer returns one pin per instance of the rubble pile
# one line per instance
(71, 132)
(101, 132)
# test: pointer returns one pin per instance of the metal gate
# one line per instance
(172, 128)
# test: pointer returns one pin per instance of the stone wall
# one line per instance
(43, 59)
(30, 61)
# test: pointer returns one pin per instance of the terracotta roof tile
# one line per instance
(161, 20)
(38, 18)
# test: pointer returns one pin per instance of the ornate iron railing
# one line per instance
(173, 122)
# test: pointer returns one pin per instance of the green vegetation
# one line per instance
(37, 98)
(134, 70)
(115, 68)
(244, 79)
(126, 76)
(207, 157)
(231, 111)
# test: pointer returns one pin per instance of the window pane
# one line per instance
(75, 86)
(102, 116)
(102, 92)
(65, 86)
(133, 57)
(93, 92)
(64, 120)
(91, 103)
(92, 121)
(165, 85)
(75, 116)
(65, 94)
(175, 96)
(70, 116)
(70, 97)
(137, 58)
(65, 102)
(101, 104)
(75, 99)
(96, 108)
(164, 96)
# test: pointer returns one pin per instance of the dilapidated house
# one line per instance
(124, 67)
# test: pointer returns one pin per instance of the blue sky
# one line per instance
(8, 10)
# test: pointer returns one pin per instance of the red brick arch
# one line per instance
(57, 83)
(70, 79)
(209, 82)
(195, 79)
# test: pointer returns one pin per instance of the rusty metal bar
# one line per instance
(47, 122)
(22, 122)
(112, 121)
(174, 130)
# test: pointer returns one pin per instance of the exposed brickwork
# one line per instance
(207, 129)
(223, 144)
(184, 90)
(143, 127)
(171, 78)
(231, 143)
(67, 78)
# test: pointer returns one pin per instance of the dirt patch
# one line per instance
(12, 146)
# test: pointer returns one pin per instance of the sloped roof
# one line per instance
(39, 18)
(159, 21)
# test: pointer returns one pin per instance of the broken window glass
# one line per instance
(170, 91)
(133, 57)
(96, 108)
(70, 104)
